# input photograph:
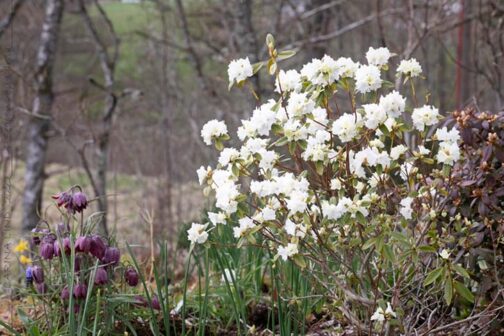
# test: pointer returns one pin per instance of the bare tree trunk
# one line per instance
(107, 63)
(40, 120)
(7, 20)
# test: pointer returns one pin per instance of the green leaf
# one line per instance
(432, 276)
(369, 244)
(463, 291)
(219, 145)
(257, 66)
(285, 54)
(319, 165)
(389, 253)
(448, 290)
(460, 270)
(427, 248)
(235, 170)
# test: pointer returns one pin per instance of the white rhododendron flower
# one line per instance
(346, 67)
(448, 153)
(374, 115)
(380, 315)
(239, 70)
(305, 172)
(393, 104)
(299, 104)
(367, 78)
(423, 151)
(335, 184)
(322, 72)
(245, 224)
(397, 151)
(285, 252)
(217, 218)
(451, 136)
(287, 81)
(378, 57)
(197, 234)
(445, 254)
(212, 130)
(346, 127)
(425, 116)
(410, 68)
(204, 174)
(406, 210)
(228, 155)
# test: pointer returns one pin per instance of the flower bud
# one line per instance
(101, 277)
(38, 274)
(97, 248)
(112, 256)
(80, 291)
(131, 276)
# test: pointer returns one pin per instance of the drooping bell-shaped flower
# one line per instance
(65, 293)
(38, 274)
(101, 276)
(79, 201)
(155, 302)
(46, 249)
(131, 276)
(83, 244)
(80, 291)
(98, 247)
(112, 256)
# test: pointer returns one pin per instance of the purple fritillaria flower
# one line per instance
(98, 247)
(38, 274)
(131, 276)
(65, 293)
(79, 201)
(66, 247)
(155, 302)
(62, 198)
(47, 251)
(112, 256)
(101, 276)
(80, 291)
(83, 244)
(141, 301)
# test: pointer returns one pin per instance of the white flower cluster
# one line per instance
(239, 70)
(311, 169)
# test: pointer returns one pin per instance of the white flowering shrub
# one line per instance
(344, 177)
